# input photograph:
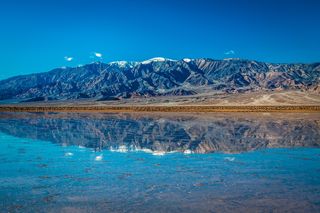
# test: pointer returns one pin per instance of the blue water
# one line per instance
(68, 175)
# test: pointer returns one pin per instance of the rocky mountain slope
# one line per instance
(160, 77)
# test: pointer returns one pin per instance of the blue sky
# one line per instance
(35, 36)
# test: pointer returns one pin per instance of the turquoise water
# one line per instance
(149, 163)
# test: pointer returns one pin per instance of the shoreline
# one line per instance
(140, 108)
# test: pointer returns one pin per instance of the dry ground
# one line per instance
(210, 102)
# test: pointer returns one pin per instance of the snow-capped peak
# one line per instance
(119, 63)
(157, 59)
(123, 64)
(187, 60)
(230, 59)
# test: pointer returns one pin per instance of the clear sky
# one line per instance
(35, 36)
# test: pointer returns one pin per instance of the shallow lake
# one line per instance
(148, 162)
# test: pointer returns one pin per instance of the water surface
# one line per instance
(79, 162)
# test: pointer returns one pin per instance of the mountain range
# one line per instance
(160, 77)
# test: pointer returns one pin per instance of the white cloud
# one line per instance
(67, 58)
(98, 55)
(230, 52)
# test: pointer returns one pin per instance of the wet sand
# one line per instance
(155, 108)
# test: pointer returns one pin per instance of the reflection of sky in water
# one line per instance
(41, 176)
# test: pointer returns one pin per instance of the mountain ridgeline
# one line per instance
(160, 77)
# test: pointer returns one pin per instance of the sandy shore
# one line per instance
(190, 108)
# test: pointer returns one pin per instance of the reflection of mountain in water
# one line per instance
(166, 133)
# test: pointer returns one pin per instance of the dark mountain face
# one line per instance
(159, 76)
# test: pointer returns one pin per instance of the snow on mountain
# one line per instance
(123, 64)
(156, 59)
